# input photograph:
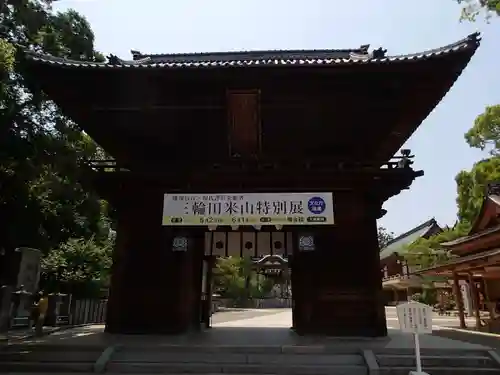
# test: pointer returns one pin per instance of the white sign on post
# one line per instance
(415, 318)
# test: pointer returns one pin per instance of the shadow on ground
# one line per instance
(472, 338)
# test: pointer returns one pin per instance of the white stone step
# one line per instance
(441, 371)
(230, 358)
(48, 367)
(436, 360)
(48, 356)
(204, 368)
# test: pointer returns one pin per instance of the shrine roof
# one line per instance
(326, 57)
(472, 237)
(486, 222)
(400, 243)
(453, 263)
(271, 260)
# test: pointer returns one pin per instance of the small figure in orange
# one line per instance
(43, 306)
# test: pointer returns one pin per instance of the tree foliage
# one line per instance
(43, 201)
(384, 237)
(473, 8)
(485, 133)
(428, 252)
(78, 266)
(7, 58)
(471, 187)
(234, 278)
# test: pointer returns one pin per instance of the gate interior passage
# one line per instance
(240, 242)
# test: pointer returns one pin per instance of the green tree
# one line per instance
(235, 278)
(384, 237)
(428, 252)
(42, 200)
(472, 8)
(7, 58)
(471, 187)
(485, 133)
(80, 267)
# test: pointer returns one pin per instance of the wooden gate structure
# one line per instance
(251, 122)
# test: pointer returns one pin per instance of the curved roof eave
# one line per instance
(471, 43)
(396, 246)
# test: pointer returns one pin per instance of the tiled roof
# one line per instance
(472, 237)
(399, 244)
(261, 58)
(274, 259)
(249, 55)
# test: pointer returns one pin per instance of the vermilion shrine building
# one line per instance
(316, 121)
(475, 266)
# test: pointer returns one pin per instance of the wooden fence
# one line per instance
(88, 311)
(85, 311)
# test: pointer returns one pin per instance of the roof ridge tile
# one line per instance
(471, 43)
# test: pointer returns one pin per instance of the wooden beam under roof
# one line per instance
(490, 264)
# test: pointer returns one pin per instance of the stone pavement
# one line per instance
(490, 340)
(25, 333)
(396, 339)
(232, 314)
(438, 321)
(271, 327)
(248, 341)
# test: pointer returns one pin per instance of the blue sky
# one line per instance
(161, 26)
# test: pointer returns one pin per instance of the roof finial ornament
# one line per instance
(404, 160)
(114, 60)
(136, 55)
(364, 48)
(475, 36)
(379, 53)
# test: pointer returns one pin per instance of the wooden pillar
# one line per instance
(475, 297)
(152, 287)
(210, 264)
(459, 300)
(337, 288)
(302, 290)
(440, 296)
(196, 252)
(490, 304)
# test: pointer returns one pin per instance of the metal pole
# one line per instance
(417, 353)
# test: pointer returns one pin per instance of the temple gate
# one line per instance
(322, 121)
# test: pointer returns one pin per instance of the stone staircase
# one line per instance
(438, 361)
(237, 360)
(32, 358)
(210, 359)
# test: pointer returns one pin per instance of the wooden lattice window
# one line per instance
(244, 122)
